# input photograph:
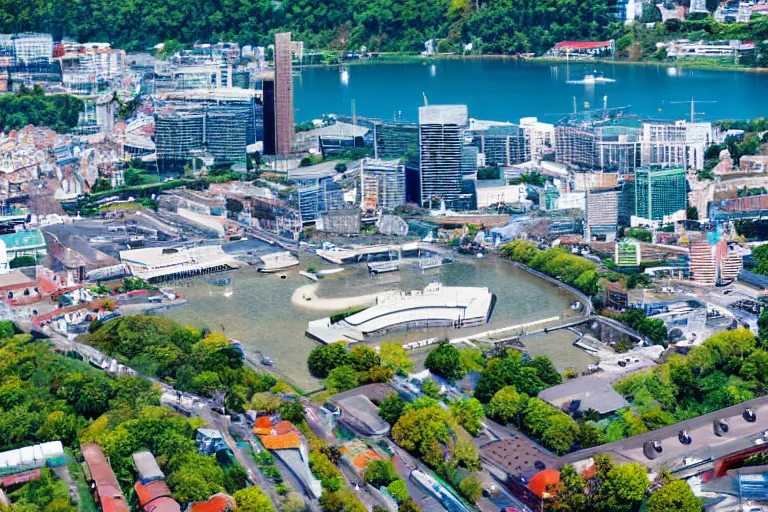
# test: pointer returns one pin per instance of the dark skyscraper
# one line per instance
(268, 103)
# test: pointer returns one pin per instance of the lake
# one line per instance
(506, 90)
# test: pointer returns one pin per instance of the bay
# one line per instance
(506, 90)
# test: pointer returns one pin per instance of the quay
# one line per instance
(158, 264)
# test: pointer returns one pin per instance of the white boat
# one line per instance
(329, 271)
(592, 79)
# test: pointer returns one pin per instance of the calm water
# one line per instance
(259, 313)
(507, 90)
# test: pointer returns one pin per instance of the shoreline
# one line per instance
(393, 58)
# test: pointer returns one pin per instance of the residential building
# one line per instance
(539, 137)
(602, 214)
(627, 253)
(318, 195)
(382, 184)
(659, 192)
(679, 144)
(441, 142)
(494, 192)
(576, 147)
(714, 264)
(548, 197)
(284, 121)
(619, 149)
(32, 49)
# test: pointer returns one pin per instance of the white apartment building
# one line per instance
(540, 137)
(678, 144)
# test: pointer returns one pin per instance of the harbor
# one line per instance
(251, 318)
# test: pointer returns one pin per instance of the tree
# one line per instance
(429, 387)
(292, 411)
(399, 490)
(325, 358)
(394, 357)
(391, 408)
(560, 435)
(471, 488)
(675, 496)
(471, 360)
(293, 502)
(506, 404)
(444, 361)
(363, 358)
(417, 428)
(408, 506)
(380, 473)
(545, 370)
(468, 412)
(623, 489)
(342, 378)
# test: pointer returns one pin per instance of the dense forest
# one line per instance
(496, 26)
(31, 106)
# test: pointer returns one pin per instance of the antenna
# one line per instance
(426, 103)
(693, 106)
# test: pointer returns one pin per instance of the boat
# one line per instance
(329, 271)
(592, 79)
(236, 344)
(266, 361)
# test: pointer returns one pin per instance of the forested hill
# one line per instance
(495, 26)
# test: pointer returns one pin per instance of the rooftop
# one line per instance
(590, 392)
(281, 442)
(23, 240)
(364, 415)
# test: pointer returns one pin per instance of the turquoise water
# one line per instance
(507, 90)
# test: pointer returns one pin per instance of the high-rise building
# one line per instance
(679, 144)
(441, 142)
(659, 192)
(539, 137)
(268, 116)
(219, 132)
(619, 149)
(714, 264)
(396, 140)
(284, 121)
(502, 145)
(602, 214)
(576, 147)
(382, 184)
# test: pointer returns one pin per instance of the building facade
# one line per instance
(502, 146)
(441, 142)
(576, 147)
(382, 184)
(714, 264)
(602, 215)
(627, 253)
(284, 120)
(679, 144)
(659, 192)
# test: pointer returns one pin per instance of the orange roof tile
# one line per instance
(216, 503)
(362, 459)
(284, 427)
(263, 422)
(280, 442)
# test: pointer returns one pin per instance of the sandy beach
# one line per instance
(306, 297)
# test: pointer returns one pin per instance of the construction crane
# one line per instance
(693, 103)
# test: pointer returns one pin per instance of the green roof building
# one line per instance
(659, 192)
(627, 253)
